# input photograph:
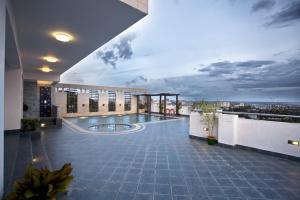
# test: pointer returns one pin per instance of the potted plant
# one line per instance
(41, 184)
(209, 116)
(30, 124)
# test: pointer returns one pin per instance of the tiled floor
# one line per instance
(163, 163)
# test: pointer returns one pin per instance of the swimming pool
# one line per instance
(113, 123)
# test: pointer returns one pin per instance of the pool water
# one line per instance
(110, 127)
(113, 123)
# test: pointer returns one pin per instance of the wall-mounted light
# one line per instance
(50, 59)
(43, 125)
(46, 69)
(62, 36)
(205, 129)
(294, 142)
(34, 160)
(40, 82)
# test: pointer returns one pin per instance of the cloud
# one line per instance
(226, 67)
(287, 16)
(232, 2)
(263, 5)
(139, 79)
(255, 80)
(284, 74)
(121, 50)
(176, 1)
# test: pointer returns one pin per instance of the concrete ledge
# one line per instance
(15, 131)
(274, 154)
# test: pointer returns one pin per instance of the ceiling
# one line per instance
(93, 23)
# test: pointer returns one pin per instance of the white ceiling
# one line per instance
(92, 22)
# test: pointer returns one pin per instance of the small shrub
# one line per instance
(41, 184)
(30, 124)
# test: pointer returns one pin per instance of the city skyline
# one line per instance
(214, 50)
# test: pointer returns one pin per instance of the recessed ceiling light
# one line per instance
(63, 36)
(51, 59)
(46, 69)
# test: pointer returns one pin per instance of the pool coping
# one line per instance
(137, 127)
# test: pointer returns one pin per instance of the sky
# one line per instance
(225, 50)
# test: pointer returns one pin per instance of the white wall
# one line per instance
(185, 110)
(198, 125)
(120, 101)
(2, 68)
(227, 130)
(60, 100)
(269, 135)
(265, 135)
(13, 99)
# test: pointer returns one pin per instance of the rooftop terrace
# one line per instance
(160, 162)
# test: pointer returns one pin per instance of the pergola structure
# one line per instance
(164, 95)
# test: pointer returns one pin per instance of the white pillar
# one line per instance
(227, 129)
(2, 68)
(13, 108)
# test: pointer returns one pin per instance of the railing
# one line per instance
(260, 114)
(266, 116)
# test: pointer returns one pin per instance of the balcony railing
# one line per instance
(265, 116)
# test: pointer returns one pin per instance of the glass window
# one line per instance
(45, 101)
(93, 101)
(111, 101)
(127, 105)
(72, 101)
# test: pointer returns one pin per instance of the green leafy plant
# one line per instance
(209, 115)
(41, 184)
(178, 106)
(30, 124)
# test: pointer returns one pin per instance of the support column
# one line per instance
(2, 71)
(165, 106)
(149, 104)
(160, 110)
(177, 108)
(137, 104)
(13, 106)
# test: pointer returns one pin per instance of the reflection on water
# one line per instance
(110, 127)
(114, 122)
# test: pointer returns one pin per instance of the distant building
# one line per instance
(223, 104)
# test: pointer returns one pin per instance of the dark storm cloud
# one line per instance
(121, 50)
(278, 75)
(143, 78)
(287, 16)
(226, 67)
(263, 5)
(139, 79)
(263, 78)
(108, 57)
